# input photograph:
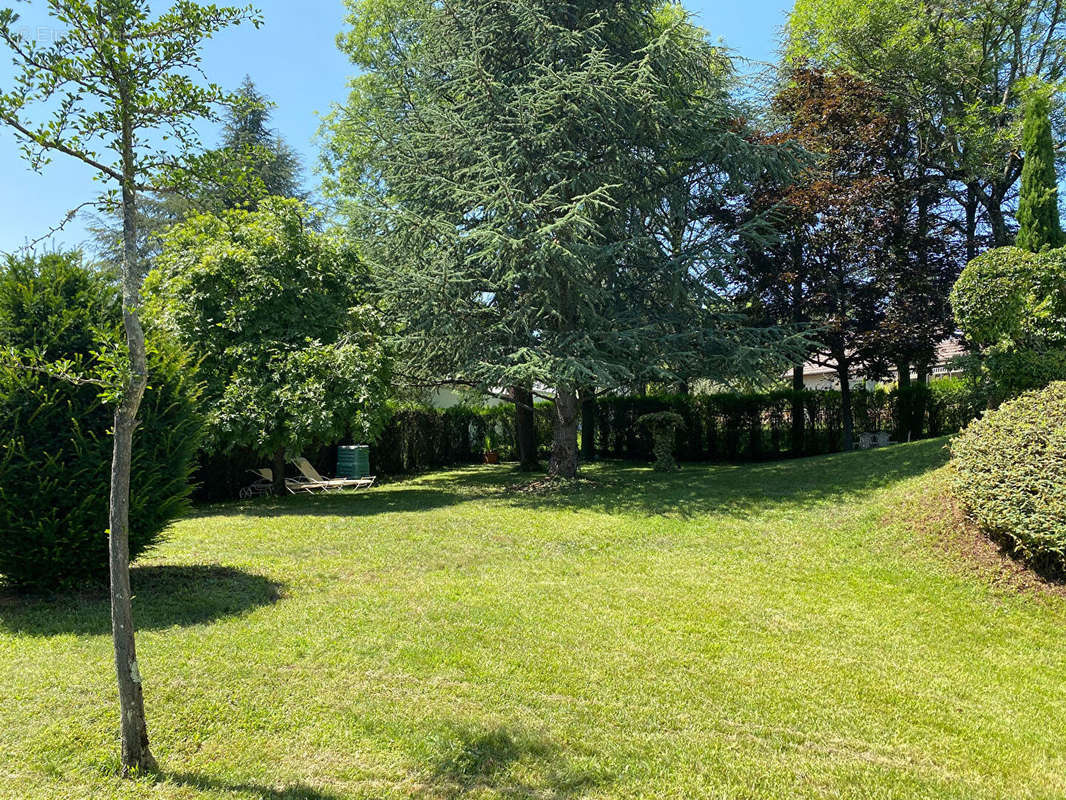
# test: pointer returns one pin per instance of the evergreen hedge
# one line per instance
(55, 443)
(719, 427)
(1010, 475)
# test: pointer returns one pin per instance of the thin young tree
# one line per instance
(116, 90)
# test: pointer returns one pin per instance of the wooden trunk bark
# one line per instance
(525, 429)
(564, 443)
(277, 469)
(136, 755)
(847, 413)
(799, 413)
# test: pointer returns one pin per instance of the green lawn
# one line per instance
(773, 631)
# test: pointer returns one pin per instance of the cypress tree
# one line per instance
(1038, 206)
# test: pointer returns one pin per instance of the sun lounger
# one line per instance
(314, 482)
(263, 485)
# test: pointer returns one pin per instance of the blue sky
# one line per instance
(294, 60)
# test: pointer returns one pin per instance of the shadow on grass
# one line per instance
(249, 791)
(470, 761)
(164, 596)
(699, 489)
(629, 488)
(378, 500)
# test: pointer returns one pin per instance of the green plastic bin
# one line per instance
(353, 461)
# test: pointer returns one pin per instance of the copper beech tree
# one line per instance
(115, 88)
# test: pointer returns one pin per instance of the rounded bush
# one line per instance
(993, 295)
(1010, 475)
(663, 426)
(55, 442)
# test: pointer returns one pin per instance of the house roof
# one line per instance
(945, 351)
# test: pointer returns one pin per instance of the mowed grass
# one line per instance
(768, 631)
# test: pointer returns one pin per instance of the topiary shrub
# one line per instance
(663, 427)
(55, 443)
(992, 295)
(1010, 475)
(1011, 304)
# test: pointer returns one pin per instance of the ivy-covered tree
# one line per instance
(1038, 205)
(106, 91)
(510, 160)
(278, 314)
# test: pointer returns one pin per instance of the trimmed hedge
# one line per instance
(759, 427)
(416, 439)
(55, 445)
(1010, 475)
(721, 427)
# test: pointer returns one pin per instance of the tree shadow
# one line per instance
(164, 596)
(740, 490)
(343, 504)
(513, 763)
(247, 790)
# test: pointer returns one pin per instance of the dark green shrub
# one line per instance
(663, 426)
(992, 296)
(55, 447)
(1010, 475)
(954, 403)
(1011, 304)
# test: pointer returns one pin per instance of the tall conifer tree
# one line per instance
(552, 187)
(1038, 206)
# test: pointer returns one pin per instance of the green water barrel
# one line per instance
(353, 461)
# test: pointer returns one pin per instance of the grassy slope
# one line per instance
(773, 631)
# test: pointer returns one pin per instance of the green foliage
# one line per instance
(417, 439)
(734, 428)
(1011, 304)
(55, 442)
(1010, 475)
(992, 296)
(115, 65)
(958, 67)
(663, 426)
(278, 315)
(954, 403)
(548, 179)
(1038, 204)
(252, 162)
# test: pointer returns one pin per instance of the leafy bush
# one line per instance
(954, 403)
(1011, 304)
(1010, 475)
(992, 295)
(55, 446)
(277, 314)
(663, 426)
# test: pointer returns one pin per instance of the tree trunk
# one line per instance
(277, 468)
(136, 755)
(564, 443)
(799, 413)
(847, 413)
(971, 222)
(998, 220)
(903, 375)
(525, 429)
